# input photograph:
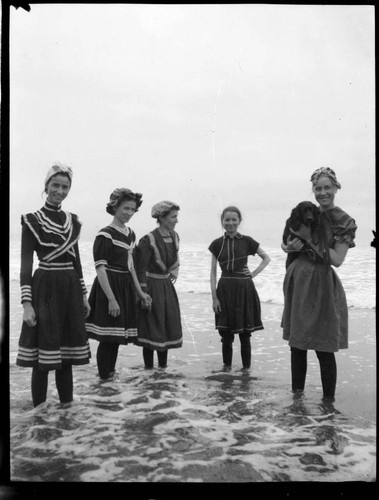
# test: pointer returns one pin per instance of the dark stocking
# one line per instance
(227, 348)
(39, 386)
(162, 359)
(106, 357)
(113, 357)
(298, 368)
(63, 380)
(245, 349)
(328, 369)
(148, 357)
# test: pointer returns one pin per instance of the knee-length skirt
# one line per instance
(240, 305)
(59, 337)
(160, 329)
(315, 314)
(103, 327)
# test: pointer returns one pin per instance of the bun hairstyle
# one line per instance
(118, 196)
(231, 209)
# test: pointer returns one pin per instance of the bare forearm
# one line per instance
(104, 282)
(213, 280)
(265, 261)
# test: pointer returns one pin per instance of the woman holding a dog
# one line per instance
(315, 315)
(235, 300)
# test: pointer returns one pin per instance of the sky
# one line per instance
(204, 105)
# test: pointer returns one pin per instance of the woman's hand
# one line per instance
(304, 232)
(216, 306)
(87, 307)
(246, 271)
(29, 315)
(173, 278)
(146, 301)
(113, 308)
(293, 245)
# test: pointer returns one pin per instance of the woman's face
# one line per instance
(325, 191)
(230, 222)
(125, 211)
(57, 189)
(169, 221)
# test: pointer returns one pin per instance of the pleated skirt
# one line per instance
(160, 329)
(59, 337)
(240, 305)
(100, 325)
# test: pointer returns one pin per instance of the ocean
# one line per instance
(194, 423)
(358, 272)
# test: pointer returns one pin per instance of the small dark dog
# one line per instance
(306, 213)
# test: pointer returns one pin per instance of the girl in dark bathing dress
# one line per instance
(235, 300)
(315, 315)
(54, 299)
(113, 318)
(157, 261)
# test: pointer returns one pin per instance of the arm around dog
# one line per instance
(336, 255)
(293, 245)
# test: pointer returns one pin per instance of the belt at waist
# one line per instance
(239, 275)
(157, 276)
(56, 266)
(116, 270)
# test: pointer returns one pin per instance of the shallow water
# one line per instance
(193, 422)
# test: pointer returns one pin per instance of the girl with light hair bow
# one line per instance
(53, 335)
(157, 262)
(113, 318)
(315, 315)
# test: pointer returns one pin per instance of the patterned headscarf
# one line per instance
(162, 208)
(326, 171)
(118, 195)
(58, 168)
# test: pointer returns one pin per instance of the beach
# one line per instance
(193, 422)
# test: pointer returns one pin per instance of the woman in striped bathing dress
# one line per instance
(113, 317)
(53, 335)
(157, 262)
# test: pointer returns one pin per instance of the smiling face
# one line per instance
(57, 189)
(169, 220)
(230, 222)
(124, 212)
(325, 191)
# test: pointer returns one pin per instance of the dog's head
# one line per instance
(304, 213)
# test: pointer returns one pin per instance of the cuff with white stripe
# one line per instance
(83, 285)
(26, 293)
(101, 262)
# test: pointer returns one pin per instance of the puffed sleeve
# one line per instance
(28, 246)
(143, 255)
(347, 233)
(102, 250)
(342, 226)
